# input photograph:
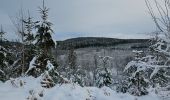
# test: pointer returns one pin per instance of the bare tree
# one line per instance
(160, 13)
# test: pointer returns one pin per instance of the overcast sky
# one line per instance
(76, 18)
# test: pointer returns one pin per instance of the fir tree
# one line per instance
(29, 25)
(72, 63)
(3, 64)
(74, 72)
(137, 84)
(44, 45)
(104, 76)
(5, 60)
(2, 33)
(43, 37)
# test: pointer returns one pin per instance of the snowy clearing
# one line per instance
(32, 89)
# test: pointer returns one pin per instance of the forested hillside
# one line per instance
(83, 42)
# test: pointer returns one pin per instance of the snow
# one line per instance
(141, 66)
(32, 88)
(1, 71)
(32, 64)
(54, 39)
(3, 51)
(49, 66)
(155, 71)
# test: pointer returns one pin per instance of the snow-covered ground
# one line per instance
(30, 88)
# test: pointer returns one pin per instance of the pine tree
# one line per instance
(4, 60)
(24, 27)
(95, 70)
(44, 32)
(28, 38)
(2, 34)
(44, 62)
(74, 72)
(137, 84)
(104, 76)
(29, 25)
(72, 63)
(3, 64)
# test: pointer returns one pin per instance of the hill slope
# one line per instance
(83, 42)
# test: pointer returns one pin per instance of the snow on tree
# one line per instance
(44, 64)
(74, 72)
(160, 49)
(95, 70)
(72, 64)
(158, 61)
(137, 84)
(3, 64)
(24, 28)
(104, 76)
(5, 59)
(29, 25)
(47, 81)
(31, 65)
(43, 37)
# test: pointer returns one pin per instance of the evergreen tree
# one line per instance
(2, 34)
(74, 72)
(29, 25)
(72, 57)
(28, 38)
(43, 37)
(44, 62)
(104, 76)
(3, 64)
(137, 84)
(5, 60)
(24, 26)
(95, 70)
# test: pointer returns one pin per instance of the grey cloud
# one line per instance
(87, 17)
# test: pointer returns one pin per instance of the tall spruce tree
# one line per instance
(43, 63)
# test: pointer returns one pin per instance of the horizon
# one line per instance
(90, 18)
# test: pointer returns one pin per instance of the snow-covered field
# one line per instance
(30, 89)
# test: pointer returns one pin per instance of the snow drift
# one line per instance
(29, 88)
